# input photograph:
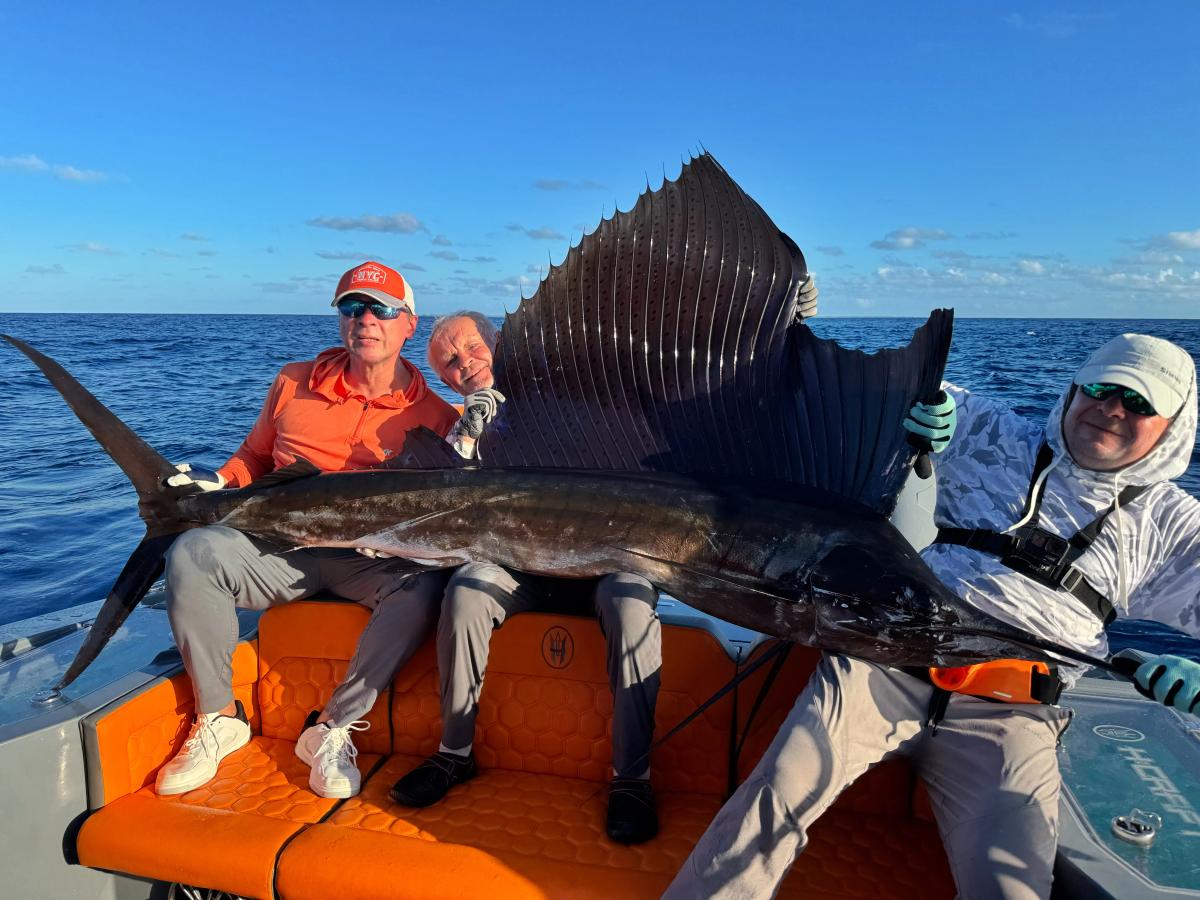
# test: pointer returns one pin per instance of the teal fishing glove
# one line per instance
(204, 479)
(932, 424)
(806, 303)
(1173, 680)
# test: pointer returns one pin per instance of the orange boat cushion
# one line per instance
(224, 835)
(137, 735)
(531, 824)
(522, 835)
(551, 714)
(304, 651)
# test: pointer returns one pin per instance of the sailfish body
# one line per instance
(813, 571)
(666, 416)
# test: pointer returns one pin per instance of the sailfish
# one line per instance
(667, 415)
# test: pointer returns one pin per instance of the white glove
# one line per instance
(806, 303)
(205, 479)
(479, 408)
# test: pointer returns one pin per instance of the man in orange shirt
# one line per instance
(350, 408)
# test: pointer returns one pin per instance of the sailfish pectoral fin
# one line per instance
(141, 570)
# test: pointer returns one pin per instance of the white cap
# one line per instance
(1160, 371)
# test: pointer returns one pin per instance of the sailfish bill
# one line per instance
(667, 416)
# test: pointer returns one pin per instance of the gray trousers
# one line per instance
(214, 569)
(990, 768)
(480, 596)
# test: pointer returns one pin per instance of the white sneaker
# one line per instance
(332, 755)
(213, 738)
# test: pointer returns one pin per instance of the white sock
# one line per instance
(463, 751)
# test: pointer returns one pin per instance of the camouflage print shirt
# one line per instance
(1146, 559)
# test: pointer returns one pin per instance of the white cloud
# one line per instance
(990, 235)
(993, 278)
(1031, 267)
(910, 238)
(398, 223)
(442, 241)
(540, 234)
(499, 287)
(1184, 240)
(1150, 258)
(55, 269)
(31, 163)
(347, 255)
(26, 163)
(70, 173)
(93, 247)
(1056, 24)
(831, 250)
(906, 275)
(1172, 241)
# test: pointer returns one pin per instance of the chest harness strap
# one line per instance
(1041, 555)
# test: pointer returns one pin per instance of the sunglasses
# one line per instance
(352, 309)
(1130, 399)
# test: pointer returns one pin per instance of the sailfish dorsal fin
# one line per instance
(665, 341)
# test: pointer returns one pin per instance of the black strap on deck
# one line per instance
(781, 647)
(735, 756)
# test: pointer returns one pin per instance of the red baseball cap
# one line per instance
(378, 282)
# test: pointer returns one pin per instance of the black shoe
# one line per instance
(429, 782)
(632, 817)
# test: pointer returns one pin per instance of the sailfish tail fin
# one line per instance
(140, 462)
(146, 469)
(141, 570)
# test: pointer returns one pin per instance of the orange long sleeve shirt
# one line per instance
(312, 413)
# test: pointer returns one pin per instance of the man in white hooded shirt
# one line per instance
(1123, 428)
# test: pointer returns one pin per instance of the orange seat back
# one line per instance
(304, 650)
(546, 706)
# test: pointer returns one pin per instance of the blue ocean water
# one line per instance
(192, 385)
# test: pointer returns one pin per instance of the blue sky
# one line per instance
(1002, 158)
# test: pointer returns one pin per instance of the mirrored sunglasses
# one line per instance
(1130, 399)
(353, 308)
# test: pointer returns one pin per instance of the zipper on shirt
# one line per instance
(354, 438)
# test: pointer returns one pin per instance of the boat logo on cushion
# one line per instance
(558, 647)
(1119, 733)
